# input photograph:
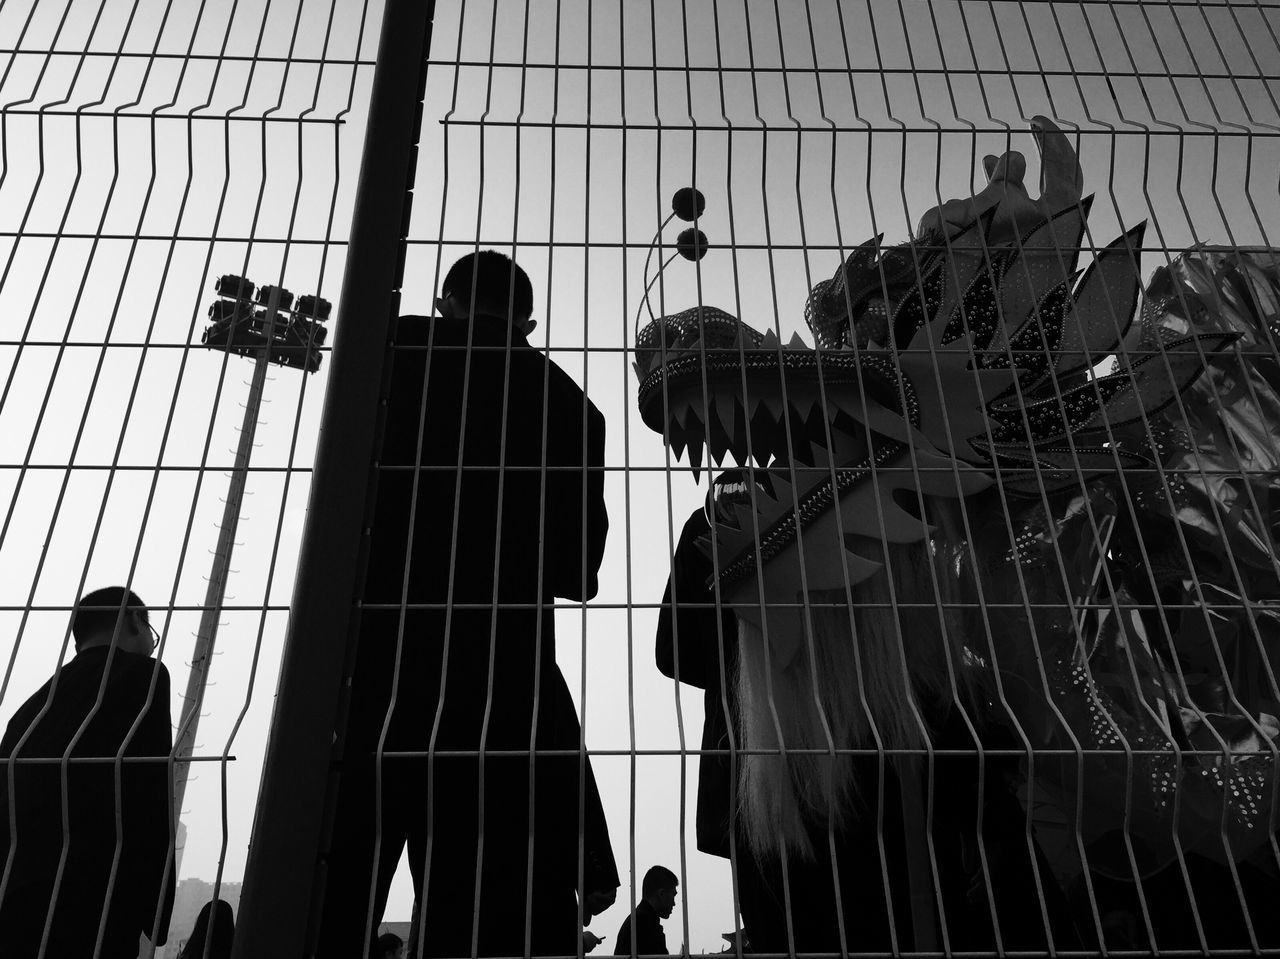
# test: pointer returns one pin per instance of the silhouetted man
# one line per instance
(85, 845)
(490, 504)
(658, 898)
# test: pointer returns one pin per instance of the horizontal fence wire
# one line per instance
(1011, 688)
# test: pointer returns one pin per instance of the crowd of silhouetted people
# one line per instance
(462, 743)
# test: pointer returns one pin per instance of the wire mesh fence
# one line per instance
(1046, 723)
(148, 149)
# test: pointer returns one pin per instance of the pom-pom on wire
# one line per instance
(688, 203)
(692, 244)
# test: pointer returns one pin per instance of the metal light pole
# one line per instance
(267, 337)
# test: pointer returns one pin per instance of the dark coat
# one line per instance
(89, 711)
(489, 506)
(697, 643)
(497, 457)
(650, 939)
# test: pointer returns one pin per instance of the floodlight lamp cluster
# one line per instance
(291, 337)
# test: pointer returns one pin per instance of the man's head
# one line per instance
(388, 946)
(659, 890)
(113, 613)
(488, 284)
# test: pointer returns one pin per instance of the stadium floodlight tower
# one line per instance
(274, 330)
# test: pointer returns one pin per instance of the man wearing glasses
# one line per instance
(85, 794)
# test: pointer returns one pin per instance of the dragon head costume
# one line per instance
(995, 483)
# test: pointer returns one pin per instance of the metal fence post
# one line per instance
(276, 902)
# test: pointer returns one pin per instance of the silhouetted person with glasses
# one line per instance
(490, 505)
(84, 846)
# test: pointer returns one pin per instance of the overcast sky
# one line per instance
(131, 180)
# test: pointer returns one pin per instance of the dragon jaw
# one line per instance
(819, 432)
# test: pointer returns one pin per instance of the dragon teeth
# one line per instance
(764, 438)
(771, 404)
(717, 447)
(677, 443)
(725, 411)
(808, 412)
(686, 416)
(741, 447)
(695, 458)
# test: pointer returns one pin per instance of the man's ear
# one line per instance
(449, 307)
(528, 327)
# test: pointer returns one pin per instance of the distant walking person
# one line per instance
(658, 892)
(213, 933)
(490, 504)
(84, 846)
